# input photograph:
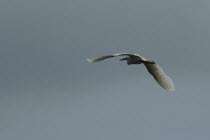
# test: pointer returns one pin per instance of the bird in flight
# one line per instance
(154, 69)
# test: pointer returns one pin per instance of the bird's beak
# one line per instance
(123, 59)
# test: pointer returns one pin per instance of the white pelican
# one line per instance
(154, 69)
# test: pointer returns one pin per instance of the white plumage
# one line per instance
(154, 69)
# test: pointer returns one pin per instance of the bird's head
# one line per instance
(151, 62)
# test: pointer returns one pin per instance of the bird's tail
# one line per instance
(90, 60)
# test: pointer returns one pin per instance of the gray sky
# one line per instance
(49, 92)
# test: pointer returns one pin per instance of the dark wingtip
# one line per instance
(124, 59)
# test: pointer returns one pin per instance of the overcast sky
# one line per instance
(48, 91)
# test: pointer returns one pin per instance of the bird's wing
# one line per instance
(114, 55)
(162, 79)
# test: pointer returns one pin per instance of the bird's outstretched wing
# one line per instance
(162, 79)
(114, 55)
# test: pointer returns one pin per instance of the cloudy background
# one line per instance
(49, 92)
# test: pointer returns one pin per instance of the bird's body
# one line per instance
(155, 70)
